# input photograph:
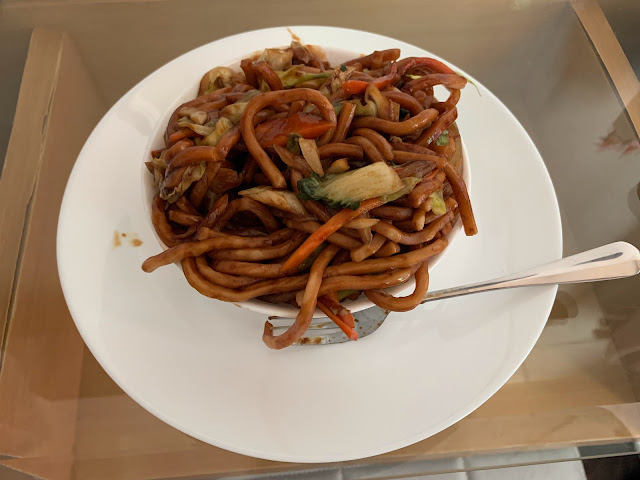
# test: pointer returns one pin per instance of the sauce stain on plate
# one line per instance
(117, 241)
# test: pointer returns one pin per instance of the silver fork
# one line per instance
(615, 260)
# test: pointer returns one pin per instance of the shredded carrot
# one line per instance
(354, 86)
(348, 331)
(331, 300)
(334, 224)
(180, 134)
(351, 87)
(331, 297)
(276, 131)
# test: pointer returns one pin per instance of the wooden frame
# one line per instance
(604, 40)
(73, 421)
(42, 351)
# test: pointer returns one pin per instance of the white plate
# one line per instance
(200, 365)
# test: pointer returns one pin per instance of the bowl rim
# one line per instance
(148, 191)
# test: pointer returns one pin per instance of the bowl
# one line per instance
(156, 141)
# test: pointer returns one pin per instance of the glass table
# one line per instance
(567, 70)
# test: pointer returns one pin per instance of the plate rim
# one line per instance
(480, 398)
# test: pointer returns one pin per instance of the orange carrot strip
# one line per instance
(348, 331)
(180, 134)
(334, 224)
(331, 297)
(276, 131)
(331, 300)
(352, 87)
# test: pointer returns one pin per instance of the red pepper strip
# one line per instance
(431, 63)
(353, 87)
(276, 130)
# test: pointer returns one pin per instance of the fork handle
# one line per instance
(615, 260)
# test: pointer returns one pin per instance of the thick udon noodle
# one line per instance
(243, 131)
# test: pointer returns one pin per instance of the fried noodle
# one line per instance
(233, 202)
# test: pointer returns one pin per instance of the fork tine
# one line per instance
(324, 339)
(318, 323)
(312, 330)
(323, 331)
